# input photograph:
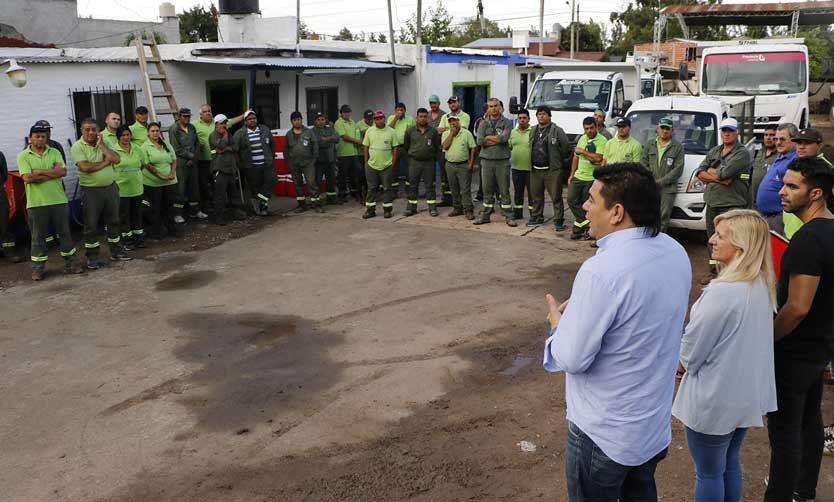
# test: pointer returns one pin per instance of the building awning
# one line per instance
(308, 65)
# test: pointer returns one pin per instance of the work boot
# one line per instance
(455, 212)
(10, 256)
(518, 213)
(483, 218)
(92, 263)
(510, 221)
(411, 210)
(121, 256)
(470, 215)
(445, 202)
(38, 274)
(576, 234)
(433, 210)
(332, 200)
(139, 243)
(535, 221)
(560, 226)
(369, 213)
(220, 218)
(318, 207)
(73, 268)
(302, 206)
(387, 212)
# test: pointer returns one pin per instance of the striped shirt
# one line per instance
(256, 147)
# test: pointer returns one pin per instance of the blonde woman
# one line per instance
(726, 358)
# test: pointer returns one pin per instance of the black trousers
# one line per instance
(206, 182)
(261, 181)
(130, 218)
(351, 176)
(162, 200)
(521, 182)
(795, 431)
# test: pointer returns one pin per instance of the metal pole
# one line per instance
(572, 27)
(297, 28)
(393, 51)
(541, 28)
(419, 41)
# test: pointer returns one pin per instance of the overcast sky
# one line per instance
(329, 16)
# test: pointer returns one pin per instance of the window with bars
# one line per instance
(97, 102)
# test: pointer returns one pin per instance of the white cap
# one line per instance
(220, 118)
(729, 123)
(248, 112)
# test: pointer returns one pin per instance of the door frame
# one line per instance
(230, 83)
(487, 83)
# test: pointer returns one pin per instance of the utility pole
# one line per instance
(572, 27)
(298, 28)
(541, 28)
(393, 51)
(419, 41)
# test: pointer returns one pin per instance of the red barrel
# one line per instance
(284, 186)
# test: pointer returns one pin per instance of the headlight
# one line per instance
(695, 185)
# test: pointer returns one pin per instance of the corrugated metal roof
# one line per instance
(755, 14)
(503, 42)
(294, 63)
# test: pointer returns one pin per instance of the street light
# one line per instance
(16, 73)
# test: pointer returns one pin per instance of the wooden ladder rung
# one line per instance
(163, 94)
(166, 111)
(157, 76)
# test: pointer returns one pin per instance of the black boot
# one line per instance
(370, 212)
(318, 207)
(411, 210)
(518, 213)
(387, 212)
(483, 218)
(302, 206)
(433, 210)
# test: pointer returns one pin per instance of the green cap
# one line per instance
(434, 99)
(665, 122)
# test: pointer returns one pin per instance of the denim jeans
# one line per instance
(717, 465)
(593, 477)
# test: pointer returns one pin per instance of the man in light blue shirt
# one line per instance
(618, 339)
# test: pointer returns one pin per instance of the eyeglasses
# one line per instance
(781, 140)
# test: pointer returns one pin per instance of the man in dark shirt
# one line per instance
(804, 334)
(421, 144)
(7, 242)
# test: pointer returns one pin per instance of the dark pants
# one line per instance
(302, 172)
(261, 181)
(593, 477)
(188, 186)
(550, 181)
(47, 220)
(521, 183)
(460, 183)
(795, 431)
(445, 187)
(351, 176)
(417, 170)
(667, 203)
(130, 218)
(161, 200)
(578, 192)
(6, 240)
(399, 171)
(376, 178)
(101, 205)
(496, 181)
(328, 171)
(225, 189)
(206, 182)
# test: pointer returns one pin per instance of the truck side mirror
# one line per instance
(514, 108)
(683, 72)
(626, 105)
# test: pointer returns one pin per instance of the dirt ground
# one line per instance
(305, 358)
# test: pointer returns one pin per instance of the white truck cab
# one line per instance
(696, 122)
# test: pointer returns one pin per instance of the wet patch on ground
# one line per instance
(172, 263)
(189, 279)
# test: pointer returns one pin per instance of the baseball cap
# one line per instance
(453, 99)
(623, 122)
(601, 112)
(665, 122)
(368, 113)
(345, 109)
(434, 99)
(729, 123)
(220, 118)
(452, 116)
(318, 114)
(379, 114)
(248, 114)
(142, 109)
(42, 124)
(809, 134)
(38, 127)
(185, 111)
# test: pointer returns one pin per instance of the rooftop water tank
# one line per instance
(239, 7)
(167, 10)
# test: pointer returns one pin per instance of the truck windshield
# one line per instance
(751, 74)
(647, 87)
(571, 95)
(696, 131)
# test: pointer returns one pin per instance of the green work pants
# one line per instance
(188, 187)
(667, 202)
(300, 173)
(578, 192)
(445, 186)
(328, 170)
(101, 205)
(425, 170)
(460, 184)
(375, 179)
(495, 174)
(45, 221)
(549, 180)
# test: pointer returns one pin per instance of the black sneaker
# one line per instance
(92, 263)
(534, 222)
(121, 256)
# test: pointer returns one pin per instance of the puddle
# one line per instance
(173, 263)
(192, 279)
(519, 363)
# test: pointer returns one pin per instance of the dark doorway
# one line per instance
(325, 100)
(473, 95)
(522, 95)
(227, 97)
(267, 105)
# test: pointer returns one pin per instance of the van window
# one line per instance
(619, 98)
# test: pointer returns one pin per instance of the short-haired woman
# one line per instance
(726, 358)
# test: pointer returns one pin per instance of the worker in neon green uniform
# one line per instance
(129, 179)
(459, 147)
(622, 147)
(520, 164)
(443, 126)
(381, 154)
(587, 157)
(139, 127)
(99, 191)
(111, 122)
(42, 168)
(159, 178)
(808, 144)
(349, 156)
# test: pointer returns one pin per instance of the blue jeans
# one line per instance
(593, 477)
(717, 465)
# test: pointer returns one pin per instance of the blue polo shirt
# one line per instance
(768, 200)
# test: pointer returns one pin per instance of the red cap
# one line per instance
(379, 114)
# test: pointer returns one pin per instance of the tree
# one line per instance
(820, 43)
(590, 37)
(382, 38)
(470, 30)
(304, 32)
(157, 36)
(344, 34)
(437, 29)
(198, 25)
